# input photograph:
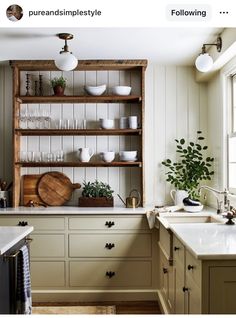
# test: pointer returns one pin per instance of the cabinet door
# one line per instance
(167, 282)
(179, 293)
(179, 275)
(192, 297)
(222, 289)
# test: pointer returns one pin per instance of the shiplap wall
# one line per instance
(176, 106)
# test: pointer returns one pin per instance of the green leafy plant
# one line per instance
(192, 167)
(58, 81)
(96, 189)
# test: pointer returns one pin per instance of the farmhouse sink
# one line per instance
(193, 219)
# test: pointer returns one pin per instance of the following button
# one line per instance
(191, 12)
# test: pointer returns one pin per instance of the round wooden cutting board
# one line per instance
(55, 188)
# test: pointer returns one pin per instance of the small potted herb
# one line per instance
(58, 84)
(191, 168)
(96, 194)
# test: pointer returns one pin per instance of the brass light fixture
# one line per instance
(66, 61)
(204, 61)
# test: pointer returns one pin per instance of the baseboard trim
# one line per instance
(93, 295)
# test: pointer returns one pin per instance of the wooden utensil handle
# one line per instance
(76, 185)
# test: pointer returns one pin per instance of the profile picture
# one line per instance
(14, 13)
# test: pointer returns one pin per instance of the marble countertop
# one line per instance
(64, 210)
(11, 235)
(204, 240)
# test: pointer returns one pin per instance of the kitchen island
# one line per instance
(12, 238)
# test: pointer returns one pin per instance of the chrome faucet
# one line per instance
(226, 203)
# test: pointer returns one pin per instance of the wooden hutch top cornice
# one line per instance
(87, 65)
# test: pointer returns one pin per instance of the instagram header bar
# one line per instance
(105, 13)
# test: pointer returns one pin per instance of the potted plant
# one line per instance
(96, 194)
(58, 84)
(191, 168)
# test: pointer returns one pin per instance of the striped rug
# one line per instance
(98, 310)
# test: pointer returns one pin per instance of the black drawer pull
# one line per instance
(185, 289)
(176, 248)
(109, 223)
(190, 267)
(109, 246)
(110, 274)
(165, 270)
(22, 223)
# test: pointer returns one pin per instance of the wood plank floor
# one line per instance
(122, 308)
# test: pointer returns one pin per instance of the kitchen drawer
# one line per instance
(178, 251)
(108, 223)
(130, 274)
(193, 268)
(47, 245)
(94, 245)
(40, 224)
(47, 274)
(166, 242)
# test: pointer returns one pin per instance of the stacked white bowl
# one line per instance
(128, 155)
(95, 90)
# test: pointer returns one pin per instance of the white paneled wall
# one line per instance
(176, 106)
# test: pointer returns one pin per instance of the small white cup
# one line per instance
(123, 122)
(133, 122)
(108, 156)
(106, 123)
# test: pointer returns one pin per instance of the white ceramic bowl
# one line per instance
(108, 156)
(106, 123)
(121, 90)
(95, 90)
(190, 208)
(128, 155)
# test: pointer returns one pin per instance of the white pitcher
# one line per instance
(85, 154)
(178, 196)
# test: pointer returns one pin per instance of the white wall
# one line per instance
(176, 106)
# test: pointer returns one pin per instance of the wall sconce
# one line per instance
(204, 61)
(66, 61)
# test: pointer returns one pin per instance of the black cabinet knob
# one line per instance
(190, 267)
(185, 289)
(110, 274)
(165, 270)
(22, 223)
(109, 224)
(109, 246)
(176, 248)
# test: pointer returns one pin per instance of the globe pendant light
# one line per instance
(204, 61)
(66, 61)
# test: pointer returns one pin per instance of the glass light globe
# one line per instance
(204, 62)
(66, 61)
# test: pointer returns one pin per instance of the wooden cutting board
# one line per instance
(55, 188)
(30, 188)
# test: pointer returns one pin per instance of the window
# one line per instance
(232, 138)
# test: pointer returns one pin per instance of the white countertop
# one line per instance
(208, 240)
(11, 235)
(204, 240)
(64, 210)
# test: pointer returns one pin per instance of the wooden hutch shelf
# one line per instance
(78, 132)
(81, 164)
(77, 99)
(114, 72)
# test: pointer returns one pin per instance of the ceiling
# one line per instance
(175, 46)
